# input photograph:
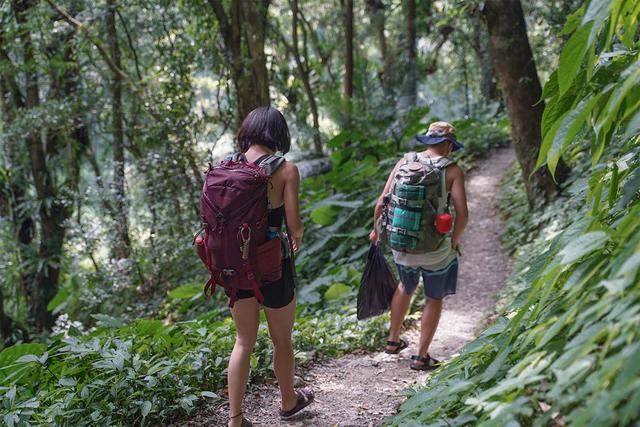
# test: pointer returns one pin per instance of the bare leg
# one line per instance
(246, 316)
(399, 307)
(429, 324)
(280, 322)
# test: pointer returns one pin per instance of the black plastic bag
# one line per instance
(376, 286)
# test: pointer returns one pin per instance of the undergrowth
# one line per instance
(565, 350)
(152, 370)
(145, 372)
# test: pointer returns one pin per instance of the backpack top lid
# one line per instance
(440, 165)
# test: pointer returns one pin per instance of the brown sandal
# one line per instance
(428, 363)
(305, 397)
(399, 345)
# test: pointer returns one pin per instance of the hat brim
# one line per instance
(432, 140)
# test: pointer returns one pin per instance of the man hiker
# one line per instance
(412, 216)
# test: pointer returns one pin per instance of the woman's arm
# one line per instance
(377, 210)
(292, 204)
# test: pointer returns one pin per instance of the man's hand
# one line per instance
(374, 236)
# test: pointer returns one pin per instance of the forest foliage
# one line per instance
(565, 350)
(110, 111)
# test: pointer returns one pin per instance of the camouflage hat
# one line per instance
(440, 132)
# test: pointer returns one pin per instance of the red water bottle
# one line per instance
(444, 223)
(200, 249)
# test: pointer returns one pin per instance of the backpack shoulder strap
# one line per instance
(443, 162)
(271, 163)
(411, 156)
(236, 157)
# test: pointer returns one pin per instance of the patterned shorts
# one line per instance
(437, 283)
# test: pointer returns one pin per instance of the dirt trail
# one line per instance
(363, 389)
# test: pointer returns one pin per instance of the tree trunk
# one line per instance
(122, 244)
(248, 70)
(16, 197)
(411, 77)
(254, 17)
(305, 73)
(480, 41)
(377, 11)
(52, 212)
(516, 70)
(5, 321)
(347, 11)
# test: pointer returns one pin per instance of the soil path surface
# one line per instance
(363, 389)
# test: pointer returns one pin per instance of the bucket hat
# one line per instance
(440, 132)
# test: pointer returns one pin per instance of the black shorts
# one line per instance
(276, 294)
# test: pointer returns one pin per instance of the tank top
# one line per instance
(275, 215)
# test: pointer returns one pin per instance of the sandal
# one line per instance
(245, 422)
(305, 397)
(428, 363)
(399, 345)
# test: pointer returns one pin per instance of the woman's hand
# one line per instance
(296, 240)
(374, 236)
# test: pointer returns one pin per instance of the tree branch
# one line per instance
(130, 42)
(444, 36)
(79, 26)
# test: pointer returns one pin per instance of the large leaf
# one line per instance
(10, 355)
(324, 215)
(596, 14)
(572, 57)
(569, 128)
(336, 291)
(107, 321)
(583, 245)
(551, 86)
(58, 300)
(186, 291)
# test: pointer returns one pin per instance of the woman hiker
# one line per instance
(263, 132)
(437, 265)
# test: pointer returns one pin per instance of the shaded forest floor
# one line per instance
(361, 389)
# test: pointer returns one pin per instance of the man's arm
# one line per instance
(459, 203)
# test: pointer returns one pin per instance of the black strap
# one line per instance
(292, 258)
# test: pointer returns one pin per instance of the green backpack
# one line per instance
(418, 195)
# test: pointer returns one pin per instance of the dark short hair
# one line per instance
(265, 126)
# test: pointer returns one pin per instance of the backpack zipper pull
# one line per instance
(245, 240)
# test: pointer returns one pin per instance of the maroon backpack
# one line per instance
(234, 205)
